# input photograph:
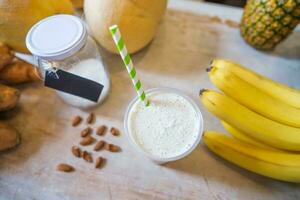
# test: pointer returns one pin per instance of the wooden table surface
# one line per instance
(189, 37)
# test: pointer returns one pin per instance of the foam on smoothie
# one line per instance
(167, 128)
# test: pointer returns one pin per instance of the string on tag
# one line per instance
(47, 66)
(52, 72)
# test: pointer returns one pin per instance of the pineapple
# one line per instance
(267, 22)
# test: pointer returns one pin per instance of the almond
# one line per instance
(85, 132)
(65, 167)
(99, 145)
(87, 140)
(100, 161)
(114, 131)
(76, 120)
(101, 130)
(76, 151)
(90, 118)
(87, 156)
(112, 148)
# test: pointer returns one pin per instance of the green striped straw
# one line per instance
(115, 32)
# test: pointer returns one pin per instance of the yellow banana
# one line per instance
(278, 165)
(254, 98)
(237, 134)
(277, 90)
(256, 126)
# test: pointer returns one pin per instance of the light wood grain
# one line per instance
(185, 44)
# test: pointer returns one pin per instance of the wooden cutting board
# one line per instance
(190, 36)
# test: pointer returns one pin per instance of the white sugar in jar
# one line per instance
(92, 69)
(62, 42)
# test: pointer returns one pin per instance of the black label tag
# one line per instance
(73, 84)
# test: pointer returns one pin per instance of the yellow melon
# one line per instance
(77, 3)
(137, 20)
(17, 17)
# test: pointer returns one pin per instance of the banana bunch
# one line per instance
(278, 165)
(262, 116)
(250, 94)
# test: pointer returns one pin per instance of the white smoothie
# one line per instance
(167, 128)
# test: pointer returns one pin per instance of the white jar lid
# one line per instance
(56, 37)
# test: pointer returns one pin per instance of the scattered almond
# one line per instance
(114, 131)
(112, 148)
(90, 118)
(76, 151)
(87, 156)
(85, 132)
(101, 130)
(65, 167)
(76, 120)
(100, 162)
(99, 145)
(87, 140)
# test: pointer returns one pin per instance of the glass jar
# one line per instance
(62, 42)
